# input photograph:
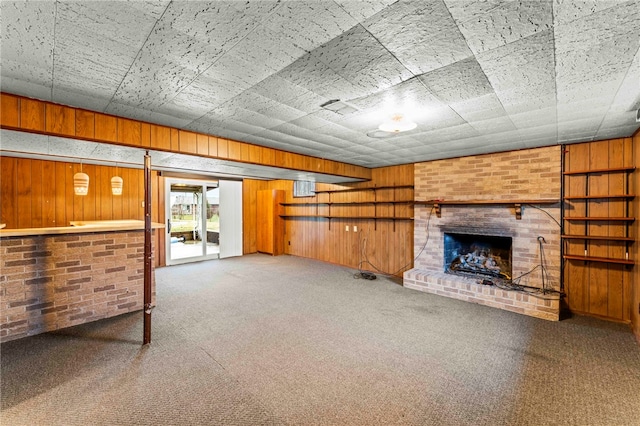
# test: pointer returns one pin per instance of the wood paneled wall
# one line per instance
(598, 288)
(39, 193)
(30, 115)
(635, 291)
(386, 244)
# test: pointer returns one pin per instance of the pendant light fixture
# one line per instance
(398, 123)
(81, 182)
(116, 183)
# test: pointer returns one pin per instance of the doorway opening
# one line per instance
(204, 219)
(193, 227)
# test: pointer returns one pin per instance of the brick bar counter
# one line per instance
(52, 278)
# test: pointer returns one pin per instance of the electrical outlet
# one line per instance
(346, 228)
(355, 228)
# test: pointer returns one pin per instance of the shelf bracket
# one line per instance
(518, 208)
(436, 207)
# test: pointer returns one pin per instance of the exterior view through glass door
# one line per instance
(193, 227)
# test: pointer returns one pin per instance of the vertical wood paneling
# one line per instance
(160, 137)
(61, 207)
(387, 245)
(223, 145)
(9, 110)
(8, 192)
(23, 192)
(48, 194)
(85, 124)
(106, 128)
(213, 146)
(145, 135)
(202, 142)
(129, 131)
(598, 288)
(32, 115)
(175, 139)
(188, 142)
(60, 119)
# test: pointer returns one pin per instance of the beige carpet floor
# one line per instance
(262, 340)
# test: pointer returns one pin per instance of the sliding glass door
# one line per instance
(193, 225)
(204, 220)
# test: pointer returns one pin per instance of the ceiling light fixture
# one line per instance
(116, 183)
(398, 123)
(81, 182)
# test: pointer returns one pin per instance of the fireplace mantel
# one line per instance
(517, 204)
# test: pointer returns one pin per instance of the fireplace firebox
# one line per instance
(483, 256)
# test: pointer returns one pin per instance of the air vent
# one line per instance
(339, 107)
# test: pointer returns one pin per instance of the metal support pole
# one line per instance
(147, 249)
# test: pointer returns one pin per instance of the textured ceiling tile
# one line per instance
(18, 86)
(493, 125)
(596, 51)
(20, 141)
(490, 24)
(309, 72)
(232, 75)
(309, 24)
(521, 69)
(84, 99)
(221, 24)
(80, 52)
(480, 108)
(422, 35)
(71, 148)
(27, 41)
(566, 11)
(359, 58)
(152, 81)
(153, 8)
(363, 9)
(310, 121)
(269, 48)
(458, 82)
(531, 119)
(410, 97)
(145, 115)
(120, 22)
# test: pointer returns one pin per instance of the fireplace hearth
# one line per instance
(482, 256)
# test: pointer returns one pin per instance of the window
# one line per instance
(303, 188)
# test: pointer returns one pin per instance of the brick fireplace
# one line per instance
(522, 243)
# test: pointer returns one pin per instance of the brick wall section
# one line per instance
(517, 175)
(55, 281)
(525, 174)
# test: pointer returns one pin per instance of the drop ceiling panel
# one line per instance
(28, 43)
(421, 35)
(360, 59)
(458, 81)
(363, 9)
(307, 25)
(494, 23)
(311, 73)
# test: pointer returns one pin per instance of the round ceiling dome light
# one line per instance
(398, 123)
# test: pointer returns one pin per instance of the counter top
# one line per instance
(81, 227)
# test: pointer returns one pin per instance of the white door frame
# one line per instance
(204, 184)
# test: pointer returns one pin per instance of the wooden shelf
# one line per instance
(601, 219)
(332, 203)
(288, 216)
(517, 204)
(494, 202)
(598, 259)
(597, 171)
(597, 237)
(603, 197)
(374, 188)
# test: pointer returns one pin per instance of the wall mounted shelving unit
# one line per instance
(619, 221)
(375, 202)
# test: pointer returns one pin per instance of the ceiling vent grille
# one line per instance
(339, 107)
